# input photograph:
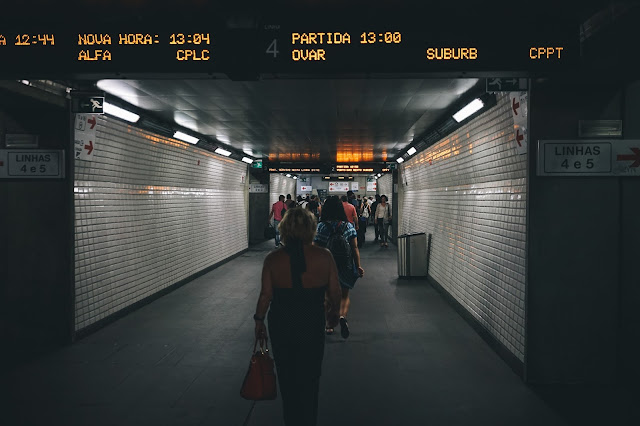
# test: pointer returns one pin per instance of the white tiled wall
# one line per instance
(469, 191)
(280, 185)
(385, 186)
(149, 212)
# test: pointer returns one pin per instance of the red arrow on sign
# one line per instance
(515, 105)
(92, 121)
(519, 137)
(635, 157)
(89, 148)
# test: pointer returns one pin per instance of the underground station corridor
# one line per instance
(492, 172)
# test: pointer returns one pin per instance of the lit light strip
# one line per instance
(400, 160)
(185, 137)
(247, 160)
(411, 151)
(120, 113)
(469, 109)
(222, 152)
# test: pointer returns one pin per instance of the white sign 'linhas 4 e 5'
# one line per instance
(589, 158)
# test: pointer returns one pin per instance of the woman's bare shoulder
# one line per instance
(319, 252)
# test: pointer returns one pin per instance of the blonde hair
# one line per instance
(298, 223)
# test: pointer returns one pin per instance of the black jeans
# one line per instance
(383, 229)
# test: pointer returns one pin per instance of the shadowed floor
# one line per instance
(180, 360)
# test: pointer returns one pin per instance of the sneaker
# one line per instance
(344, 328)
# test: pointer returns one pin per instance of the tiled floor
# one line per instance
(411, 360)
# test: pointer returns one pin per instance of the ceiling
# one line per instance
(346, 120)
(324, 120)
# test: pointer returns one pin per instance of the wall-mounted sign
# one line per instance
(31, 164)
(519, 112)
(589, 158)
(504, 84)
(87, 104)
(85, 136)
(306, 189)
(371, 186)
(258, 188)
(338, 186)
(257, 164)
(354, 186)
(20, 141)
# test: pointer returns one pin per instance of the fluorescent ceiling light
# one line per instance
(411, 151)
(379, 174)
(400, 160)
(288, 175)
(247, 160)
(222, 152)
(120, 113)
(185, 137)
(295, 177)
(465, 112)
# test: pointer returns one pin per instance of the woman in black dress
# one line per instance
(295, 279)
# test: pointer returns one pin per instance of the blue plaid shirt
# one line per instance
(323, 232)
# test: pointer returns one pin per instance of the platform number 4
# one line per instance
(273, 48)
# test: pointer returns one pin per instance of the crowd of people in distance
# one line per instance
(306, 284)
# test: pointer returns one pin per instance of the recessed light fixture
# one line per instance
(469, 109)
(185, 137)
(120, 112)
(222, 151)
(295, 177)
(288, 175)
(247, 160)
(400, 160)
(411, 151)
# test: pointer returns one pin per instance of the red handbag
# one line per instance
(260, 382)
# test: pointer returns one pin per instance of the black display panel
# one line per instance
(310, 44)
(342, 168)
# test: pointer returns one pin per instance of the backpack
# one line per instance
(284, 210)
(365, 211)
(342, 254)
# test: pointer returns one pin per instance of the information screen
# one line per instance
(423, 43)
(309, 44)
(342, 168)
(103, 49)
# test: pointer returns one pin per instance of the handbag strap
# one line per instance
(264, 344)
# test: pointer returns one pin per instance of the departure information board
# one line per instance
(342, 168)
(320, 44)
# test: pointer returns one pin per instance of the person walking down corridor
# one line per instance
(289, 202)
(350, 212)
(295, 280)
(374, 206)
(278, 209)
(337, 234)
(383, 218)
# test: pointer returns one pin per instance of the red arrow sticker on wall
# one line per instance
(515, 105)
(89, 148)
(635, 157)
(519, 137)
